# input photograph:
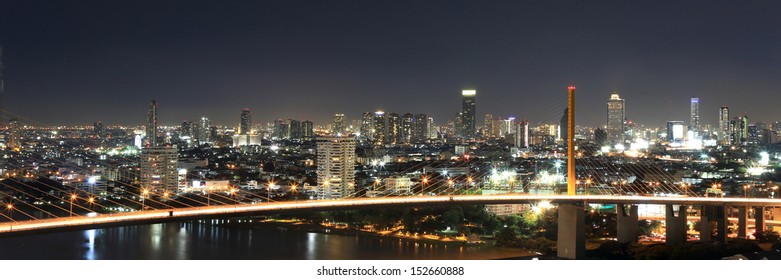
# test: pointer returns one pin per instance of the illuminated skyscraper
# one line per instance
(335, 167)
(615, 119)
(675, 133)
(159, 166)
(366, 126)
(522, 134)
(151, 125)
(339, 125)
(468, 113)
(393, 130)
(420, 129)
(379, 128)
(205, 131)
(307, 130)
(724, 131)
(563, 124)
(406, 131)
(246, 122)
(694, 115)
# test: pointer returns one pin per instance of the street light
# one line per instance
(73, 197)
(745, 190)
(165, 199)
(144, 192)
(10, 207)
(91, 202)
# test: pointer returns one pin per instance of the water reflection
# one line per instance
(208, 241)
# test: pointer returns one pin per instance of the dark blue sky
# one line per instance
(76, 62)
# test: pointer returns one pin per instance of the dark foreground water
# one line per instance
(207, 241)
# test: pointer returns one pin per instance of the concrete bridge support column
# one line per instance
(571, 242)
(705, 227)
(675, 224)
(722, 223)
(742, 222)
(759, 218)
(627, 218)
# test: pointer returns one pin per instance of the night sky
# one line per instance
(76, 62)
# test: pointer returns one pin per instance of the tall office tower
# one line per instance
(14, 140)
(406, 131)
(151, 125)
(159, 166)
(393, 123)
(468, 113)
(615, 119)
(2, 88)
(488, 126)
(378, 134)
(675, 133)
(433, 132)
(563, 124)
(307, 130)
(335, 167)
(739, 130)
(366, 126)
(339, 125)
(246, 122)
(458, 125)
(724, 131)
(186, 129)
(694, 116)
(281, 129)
(295, 129)
(522, 134)
(420, 129)
(205, 131)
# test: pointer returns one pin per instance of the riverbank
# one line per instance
(482, 250)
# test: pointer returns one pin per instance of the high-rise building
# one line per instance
(488, 126)
(281, 129)
(563, 124)
(522, 134)
(339, 125)
(335, 167)
(468, 113)
(394, 127)
(159, 169)
(366, 126)
(205, 131)
(739, 130)
(694, 116)
(246, 122)
(151, 125)
(675, 133)
(615, 119)
(295, 129)
(420, 129)
(379, 128)
(307, 130)
(406, 131)
(14, 140)
(724, 131)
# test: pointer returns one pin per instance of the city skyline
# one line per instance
(309, 60)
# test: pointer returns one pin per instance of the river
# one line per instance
(205, 240)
